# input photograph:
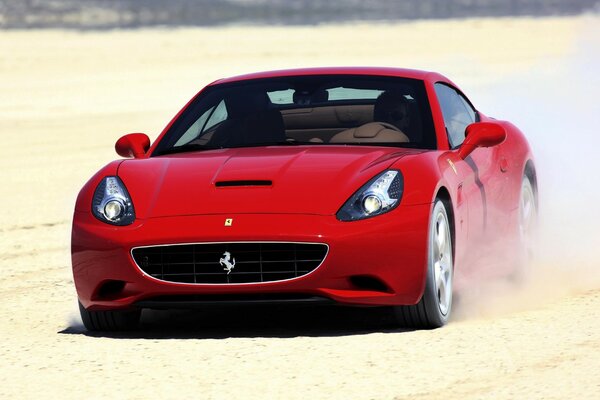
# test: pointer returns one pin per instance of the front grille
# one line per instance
(208, 262)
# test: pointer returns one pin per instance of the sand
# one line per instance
(65, 97)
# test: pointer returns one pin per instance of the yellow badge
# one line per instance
(228, 221)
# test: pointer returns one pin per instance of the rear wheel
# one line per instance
(527, 232)
(109, 320)
(527, 217)
(433, 310)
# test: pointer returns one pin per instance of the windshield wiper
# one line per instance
(195, 146)
(263, 144)
(287, 142)
(186, 147)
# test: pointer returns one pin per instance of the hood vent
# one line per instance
(243, 183)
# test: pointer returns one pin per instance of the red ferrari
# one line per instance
(349, 186)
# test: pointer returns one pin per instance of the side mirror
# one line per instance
(481, 134)
(133, 145)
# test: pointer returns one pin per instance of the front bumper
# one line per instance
(390, 249)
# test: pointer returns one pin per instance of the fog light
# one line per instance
(371, 204)
(113, 209)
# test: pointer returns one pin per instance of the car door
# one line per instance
(480, 178)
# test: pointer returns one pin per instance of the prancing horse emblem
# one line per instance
(225, 261)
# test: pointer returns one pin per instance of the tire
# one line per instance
(435, 306)
(109, 321)
(527, 220)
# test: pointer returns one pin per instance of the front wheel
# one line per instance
(433, 310)
(109, 320)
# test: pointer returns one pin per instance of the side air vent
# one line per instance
(365, 282)
(243, 183)
(109, 290)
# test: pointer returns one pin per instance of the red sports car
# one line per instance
(351, 186)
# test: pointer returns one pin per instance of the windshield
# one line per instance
(307, 110)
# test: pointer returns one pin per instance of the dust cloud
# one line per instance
(555, 103)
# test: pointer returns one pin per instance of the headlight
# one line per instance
(111, 203)
(380, 195)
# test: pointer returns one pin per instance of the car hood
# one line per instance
(299, 179)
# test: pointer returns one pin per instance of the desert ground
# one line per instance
(67, 96)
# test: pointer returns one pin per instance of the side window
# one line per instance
(207, 120)
(472, 113)
(457, 112)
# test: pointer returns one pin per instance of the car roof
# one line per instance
(369, 71)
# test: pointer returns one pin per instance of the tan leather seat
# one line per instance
(373, 132)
